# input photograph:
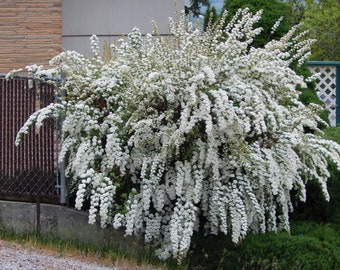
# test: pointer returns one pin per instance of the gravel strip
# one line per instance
(14, 256)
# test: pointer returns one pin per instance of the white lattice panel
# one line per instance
(326, 88)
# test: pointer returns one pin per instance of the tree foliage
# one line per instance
(167, 138)
(210, 17)
(322, 20)
(195, 6)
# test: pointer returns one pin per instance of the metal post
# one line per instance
(63, 185)
(63, 189)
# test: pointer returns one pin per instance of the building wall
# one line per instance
(33, 31)
(30, 32)
(112, 19)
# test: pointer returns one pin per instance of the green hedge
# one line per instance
(309, 246)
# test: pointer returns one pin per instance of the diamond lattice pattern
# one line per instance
(326, 88)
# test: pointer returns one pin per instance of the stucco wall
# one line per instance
(111, 19)
(30, 32)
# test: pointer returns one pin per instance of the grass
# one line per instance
(124, 259)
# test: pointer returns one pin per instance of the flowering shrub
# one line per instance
(197, 131)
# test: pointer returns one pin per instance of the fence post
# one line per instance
(63, 184)
(63, 189)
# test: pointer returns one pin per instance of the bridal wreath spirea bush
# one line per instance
(198, 131)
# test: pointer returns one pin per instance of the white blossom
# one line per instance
(198, 125)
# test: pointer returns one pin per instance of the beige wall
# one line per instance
(110, 19)
(30, 32)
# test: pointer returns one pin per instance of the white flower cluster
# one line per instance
(197, 131)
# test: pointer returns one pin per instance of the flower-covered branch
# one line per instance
(198, 131)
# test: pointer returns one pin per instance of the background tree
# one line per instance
(322, 20)
(195, 6)
(297, 8)
(211, 16)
